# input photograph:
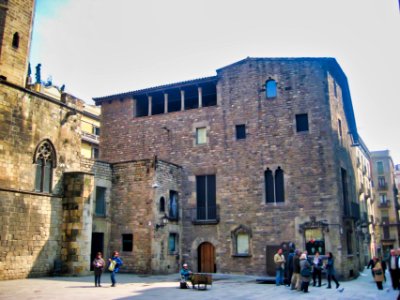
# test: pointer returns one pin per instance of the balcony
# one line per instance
(352, 210)
(384, 204)
(382, 186)
(205, 216)
(89, 137)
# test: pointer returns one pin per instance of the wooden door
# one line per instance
(206, 258)
(271, 251)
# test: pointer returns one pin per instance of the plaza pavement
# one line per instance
(166, 287)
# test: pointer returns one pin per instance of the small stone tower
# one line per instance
(16, 17)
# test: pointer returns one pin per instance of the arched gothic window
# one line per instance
(162, 204)
(274, 186)
(45, 161)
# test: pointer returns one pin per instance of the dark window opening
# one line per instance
(100, 201)
(334, 88)
(345, 192)
(302, 122)
(269, 186)
(270, 89)
(157, 104)
(95, 153)
(349, 242)
(173, 205)
(142, 106)
(340, 131)
(174, 100)
(279, 185)
(206, 197)
(96, 130)
(209, 95)
(15, 41)
(127, 242)
(191, 98)
(172, 243)
(240, 132)
(162, 204)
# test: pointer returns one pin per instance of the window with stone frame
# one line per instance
(127, 242)
(241, 241)
(206, 197)
(173, 243)
(173, 205)
(201, 136)
(15, 40)
(270, 89)
(302, 123)
(315, 241)
(162, 205)
(274, 186)
(100, 209)
(45, 162)
(240, 132)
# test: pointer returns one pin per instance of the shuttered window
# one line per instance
(206, 197)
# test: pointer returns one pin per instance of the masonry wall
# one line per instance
(308, 159)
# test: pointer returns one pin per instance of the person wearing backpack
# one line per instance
(115, 264)
(305, 272)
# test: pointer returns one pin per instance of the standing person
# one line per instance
(115, 263)
(296, 281)
(98, 265)
(384, 267)
(289, 266)
(393, 265)
(279, 260)
(317, 269)
(305, 272)
(330, 271)
(372, 265)
(378, 273)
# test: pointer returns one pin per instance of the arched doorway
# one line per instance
(206, 258)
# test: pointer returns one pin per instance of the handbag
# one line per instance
(378, 272)
(111, 267)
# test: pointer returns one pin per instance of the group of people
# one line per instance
(300, 268)
(114, 263)
(378, 269)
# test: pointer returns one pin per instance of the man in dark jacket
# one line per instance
(393, 266)
(289, 266)
(296, 281)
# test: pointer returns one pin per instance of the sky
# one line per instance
(98, 47)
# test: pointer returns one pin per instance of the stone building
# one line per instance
(221, 171)
(385, 207)
(48, 192)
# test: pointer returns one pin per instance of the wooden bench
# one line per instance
(201, 280)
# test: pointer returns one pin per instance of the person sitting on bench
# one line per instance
(185, 276)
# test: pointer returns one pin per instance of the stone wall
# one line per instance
(310, 160)
(30, 234)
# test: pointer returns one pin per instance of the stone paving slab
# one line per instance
(225, 286)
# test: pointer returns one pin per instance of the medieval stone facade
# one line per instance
(266, 157)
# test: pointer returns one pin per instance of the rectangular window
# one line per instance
(201, 135)
(240, 132)
(172, 243)
(96, 130)
(345, 193)
(95, 152)
(173, 205)
(100, 201)
(382, 198)
(206, 197)
(302, 122)
(349, 242)
(127, 242)
(381, 181)
(379, 166)
(242, 243)
(340, 132)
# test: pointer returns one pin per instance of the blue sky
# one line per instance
(99, 47)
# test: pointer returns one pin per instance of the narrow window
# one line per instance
(279, 185)
(127, 242)
(270, 89)
(96, 130)
(269, 186)
(349, 242)
(173, 205)
(335, 88)
(242, 243)
(206, 197)
(381, 182)
(162, 204)
(302, 122)
(100, 201)
(345, 192)
(172, 243)
(340, 131)
(45, 162)
(95, 153)
(241, 132)
(15, 41)
(379, 165)
(382, 198)
(201, 135)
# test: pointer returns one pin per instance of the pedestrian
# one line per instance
(393, 265)
(384, 268)
(305, 272)
(289, 266)
(98, 267)
(296, 281)
(371, 264)
(279, 260)
(115, 264)
(317, 269)
(378, 273)
(330, 271)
